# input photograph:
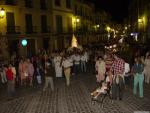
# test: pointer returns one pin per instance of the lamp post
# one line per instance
(2, 15)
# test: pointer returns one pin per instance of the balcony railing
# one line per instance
(13, 30)
(31, 29)
(45, 29)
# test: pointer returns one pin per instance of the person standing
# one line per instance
(117, 68)
(58, 67)
(137, 71)
(49, 74)
(147, 69)
(77, 59)
(83, 62)
(3, 74)
(67, 69)
(30, 71)
(100, 69)
(10, 74)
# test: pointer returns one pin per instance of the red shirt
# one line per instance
(118, 66)
(9, 74)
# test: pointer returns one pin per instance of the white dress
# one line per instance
(58, 67)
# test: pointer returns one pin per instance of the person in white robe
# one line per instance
(58, 66)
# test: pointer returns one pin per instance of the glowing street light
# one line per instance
(24, 42)
(140, 20)
(108, 28)
(2, 13)
(77, 20)
(97, 25)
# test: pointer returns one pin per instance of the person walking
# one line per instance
(137, 71)
(49, 74)
(147, 69)
(67, 69)
(117, 68)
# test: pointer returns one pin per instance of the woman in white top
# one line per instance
(100, 69)
(147, 69)
(67, 69)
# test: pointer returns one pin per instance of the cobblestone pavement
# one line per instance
(73, 99)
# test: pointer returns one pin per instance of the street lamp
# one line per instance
(77, 20)
(77, 23)
(139, 20)
(2, 13)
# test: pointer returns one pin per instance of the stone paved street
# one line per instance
(73, 99)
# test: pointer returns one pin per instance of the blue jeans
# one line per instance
(138, 79)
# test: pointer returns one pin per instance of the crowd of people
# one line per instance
(110, 69)
(43, 68)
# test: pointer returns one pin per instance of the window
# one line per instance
(59, 27)
(44, 24)
(76, 12)
(68, 4)
(10, 2)
(69, 25)
(10, 22)
(28, 20)
(29, 3)
(81, 11)
(57, 2)
(43, 4)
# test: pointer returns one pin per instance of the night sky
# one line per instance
(118, 9)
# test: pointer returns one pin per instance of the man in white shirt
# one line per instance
(126, 73)
(83, 62)
(77, 63)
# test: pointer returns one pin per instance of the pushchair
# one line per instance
(102, 96)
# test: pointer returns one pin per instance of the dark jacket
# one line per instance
(49, 70)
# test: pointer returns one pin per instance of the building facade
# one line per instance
(26, 19)
(47, 24)
(139, 18)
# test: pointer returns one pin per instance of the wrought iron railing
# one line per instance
(13, 30)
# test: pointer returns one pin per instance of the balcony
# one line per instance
(13, 30)
(45, 29)
(31, 29)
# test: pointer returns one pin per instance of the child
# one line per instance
(100, 90)
(104, 87)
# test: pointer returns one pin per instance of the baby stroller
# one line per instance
(100, 98)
